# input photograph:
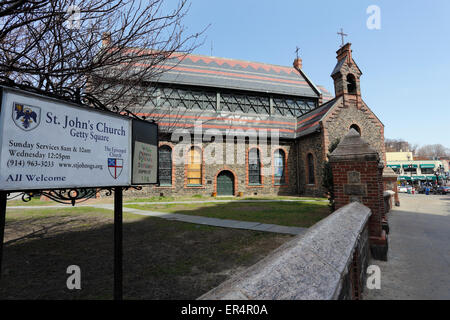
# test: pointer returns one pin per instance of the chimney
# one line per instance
(298, 63)
(106, 39)
(345, 51)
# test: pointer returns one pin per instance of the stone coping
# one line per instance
(353, 148)
(388, 193)
(309, 267)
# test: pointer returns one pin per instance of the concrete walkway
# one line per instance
(224, 223)
(418, 265)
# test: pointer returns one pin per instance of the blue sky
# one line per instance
(405, 64)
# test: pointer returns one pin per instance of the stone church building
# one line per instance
(238, 99)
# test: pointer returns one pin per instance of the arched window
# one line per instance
(194, 168)
(279, 169)
(165, 166)
(356, 127)
(311, 177)
(254, 166)
(351, 84)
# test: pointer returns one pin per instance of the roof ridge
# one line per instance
(206, 56)
(322, 106)
(233, 62)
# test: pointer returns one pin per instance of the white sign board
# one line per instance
(49, 144)
(144, 163)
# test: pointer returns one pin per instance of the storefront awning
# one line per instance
(419, 178)
(431, 178)
(404, 178)
(395, 166)
(427, 166)
(410, 166)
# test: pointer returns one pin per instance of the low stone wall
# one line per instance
(328, 262)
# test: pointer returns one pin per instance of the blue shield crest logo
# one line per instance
(26, 117)
(115, 167)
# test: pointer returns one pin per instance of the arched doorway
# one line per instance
(225, 183)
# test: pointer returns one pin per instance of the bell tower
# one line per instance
(346, 75)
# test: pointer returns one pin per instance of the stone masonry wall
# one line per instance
(313, 144)
(239, 168)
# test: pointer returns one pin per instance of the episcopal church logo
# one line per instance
(115, 167)
(26, 117)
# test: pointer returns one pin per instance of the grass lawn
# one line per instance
(33, 202)
(200, 197)
(299, 214)
(162, 259)
(37, 202)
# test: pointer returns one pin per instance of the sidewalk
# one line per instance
(224, 223)
(419, 251)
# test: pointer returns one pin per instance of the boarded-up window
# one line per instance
(311, 178)
(279, 169)
(194, 169)
(254, 167)
(165, 166)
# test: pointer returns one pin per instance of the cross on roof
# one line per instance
(296, 51)
(342, 34)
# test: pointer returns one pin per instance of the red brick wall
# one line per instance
(371, 176)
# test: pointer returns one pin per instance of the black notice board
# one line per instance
(144, 143)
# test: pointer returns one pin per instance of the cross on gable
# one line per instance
(342, 34)
(296, 51)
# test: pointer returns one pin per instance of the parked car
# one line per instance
(444, 189)
(405, 189)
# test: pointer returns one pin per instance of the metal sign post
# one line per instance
(118, 281)
(2, 226)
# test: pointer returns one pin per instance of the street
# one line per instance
(418, 265)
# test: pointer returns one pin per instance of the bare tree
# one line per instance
(397, 145)
(111, 48)
(433, 151)
(413, 148)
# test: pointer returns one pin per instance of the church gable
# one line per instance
(344, 115)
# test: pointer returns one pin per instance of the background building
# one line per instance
(416, 169)
(399, 156)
